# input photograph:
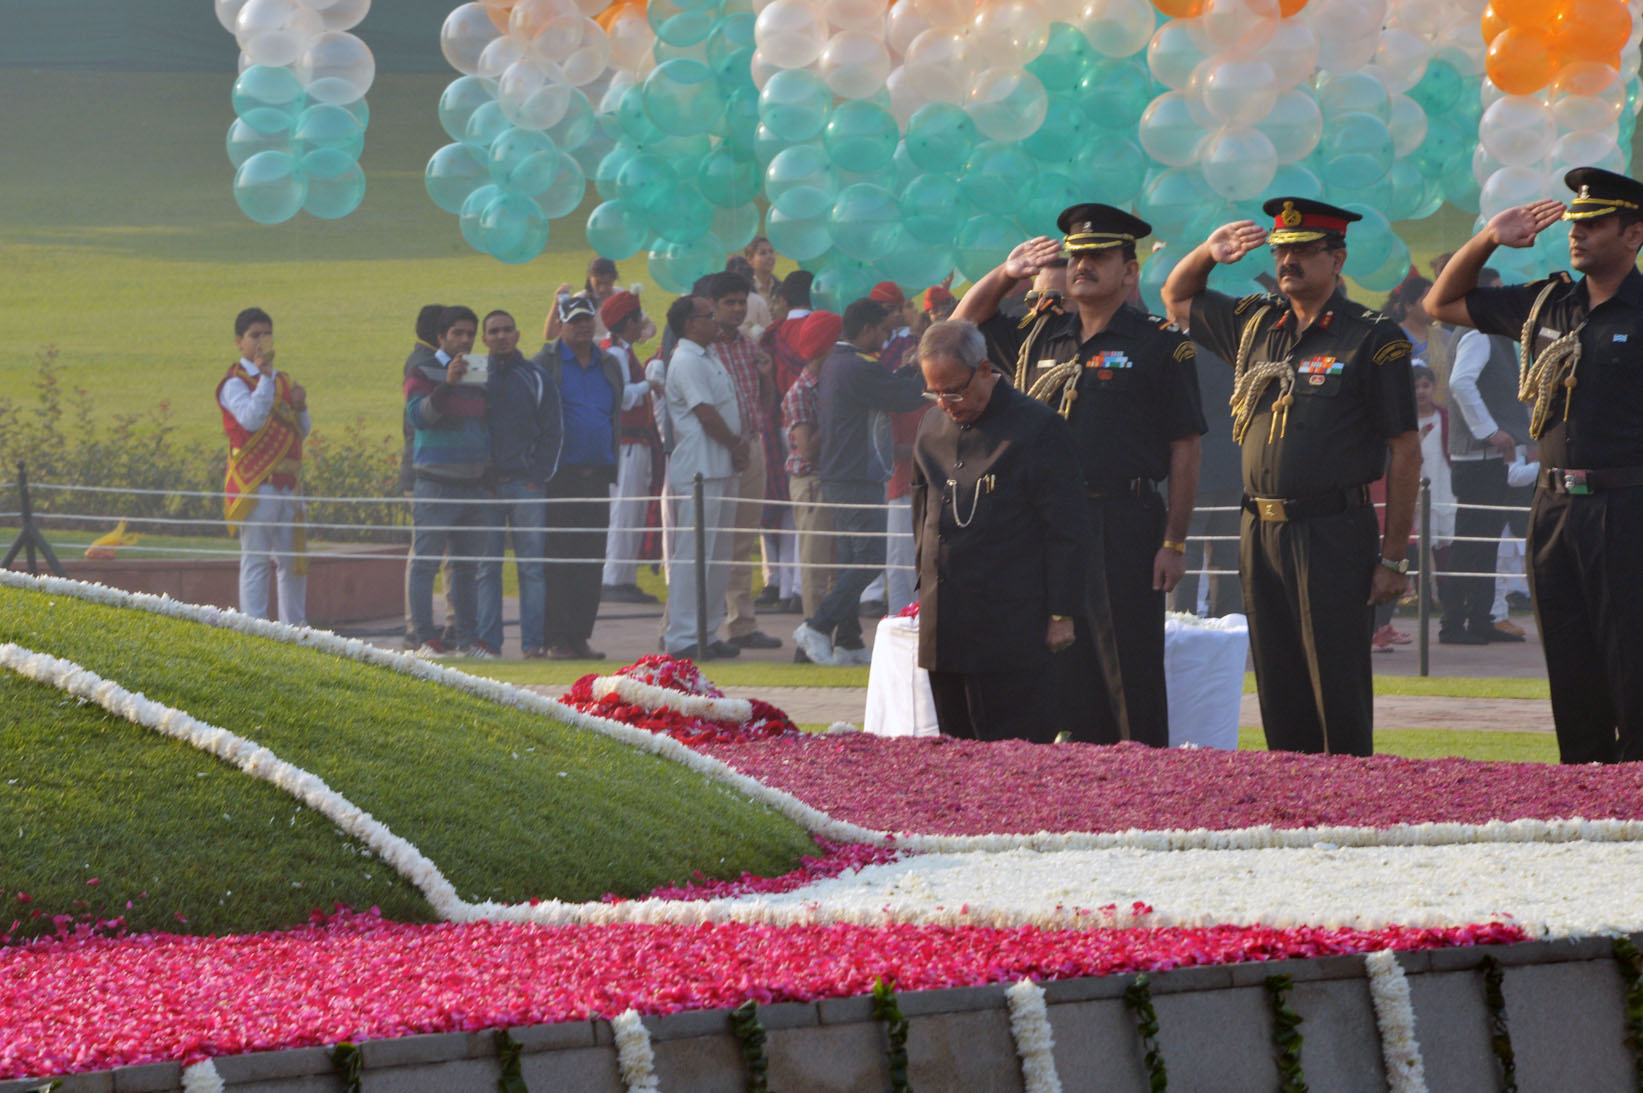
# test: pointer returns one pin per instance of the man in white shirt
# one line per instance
(622, 316)
(265, 417)
(708, 440)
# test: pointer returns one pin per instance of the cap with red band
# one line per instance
(1301, 220)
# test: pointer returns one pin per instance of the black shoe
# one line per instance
(587, 652)
(689, 652)
(799, 657)
(1461, 637)
(1519, 600)
(1492, 633)
(873, 609)
(723, 650)
(792, 605)
(640, 595)
(758, 639)
(769, 596)
(625, 593)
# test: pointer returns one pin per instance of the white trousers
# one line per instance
(266, 554)
(1509, 557)
(719, 500)
(781, 557)
(898, 551)
(628, 500)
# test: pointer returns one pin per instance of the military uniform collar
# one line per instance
(1126, 321)
(1337, 307)
(1629, 293)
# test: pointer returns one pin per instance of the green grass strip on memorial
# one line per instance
(509, 805)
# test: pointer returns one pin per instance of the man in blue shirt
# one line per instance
(589, 382)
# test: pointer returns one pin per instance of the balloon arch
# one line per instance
(900, 143)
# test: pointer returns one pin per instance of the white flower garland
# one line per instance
(633, 1053)
(202, 1077)
(636, 692)
(1034, 1040)
(248, 756)
(1389, 988)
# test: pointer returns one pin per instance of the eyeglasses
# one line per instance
(956, 395)
(1298, 250)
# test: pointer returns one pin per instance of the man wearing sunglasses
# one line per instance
(1127, 384)
(1323, 402)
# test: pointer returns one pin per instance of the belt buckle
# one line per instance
(1271, 511)
(1577, 483)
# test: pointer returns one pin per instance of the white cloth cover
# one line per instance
(898, 690)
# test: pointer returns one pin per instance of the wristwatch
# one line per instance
(1400, 567)
(1176, 545)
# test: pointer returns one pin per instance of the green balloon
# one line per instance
(245, 141)
(1063, 136)
(682, 97)
(454, 172)
(932, 208)
(794, 104)
(996, 175)
(728, 41)
(799, 238)
(918, 265)
(512, 229)
(840, 281)
(524, 161)
(262, 87)
(577, 127)
(739, 123)
(677, 266)
(1392, 270)
(686, 219)
(1050, 193)
(1066, 59)
(647, 183)
(865, 222)
(860, 137)
(605, 174)
(728, 177)
(940, 137)
(333, 196)
(327, 126)
(485, 125)
(617, 230)
(269, 187)
(1370, 242)
(1173, 200)
(681, 25)
(982, 243)
(460, 100)
(634, 123)
(736, 226)
(1115, 93)
(564, 194)
(1112, 169)
(468, 214)
(1439, 89)
(801, 182)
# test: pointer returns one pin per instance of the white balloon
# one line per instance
(275, 32)
(1510, 187)
(343, 14)
(1585, 149)
(1238, 162)
(790, 33)
(1294, 125)
(1172, 56)
(1011, 33)
(1407, 125)
(1292, 52)
(1402, 57)
(1588, 113)
(337, 68)
(854, 64)
(1235, 28)
(228, 14)
(865, 15)
(1169, 132)
(1007, 103)
(500, 54)
(760, 68)
(902, 25)
(1118, 28)
(1517, 130)
(1236, 91)
(464, 36)
(533, 94)
(953, 14)
(1484, 165)
(1348, 31)
(941, 48)
(631, 40)
(915, 86)
(531, 17)
(591, 57)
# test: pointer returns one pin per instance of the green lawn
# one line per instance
(1506, 747)
(509, 805)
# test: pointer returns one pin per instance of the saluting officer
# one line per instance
(1582, 371)
(1127, 384)
(1322, 394)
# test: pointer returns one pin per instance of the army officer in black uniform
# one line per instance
(1001, 540)
(1322, 403)
(1127, 384)
(1583, 373)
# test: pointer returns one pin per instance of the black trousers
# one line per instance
(1226, 596)
(1469, 601)
(1306, 592)
(1110, 685)
(573, 586)
(1586, 577)
(993, 705)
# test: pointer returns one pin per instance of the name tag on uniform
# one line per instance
(1548, 332)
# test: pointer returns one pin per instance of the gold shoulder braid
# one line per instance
(1249, 382)
(1064, 375)
(1539, 377)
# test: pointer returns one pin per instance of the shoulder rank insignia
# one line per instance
(1247, 302)
(1186, 351)
(1164, 323)
(1392, 351)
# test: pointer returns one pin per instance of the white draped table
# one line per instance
(1203, 670)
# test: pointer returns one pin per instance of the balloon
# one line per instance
(940, 137)
(1238, 162)
(330, 127)
(454, 172)
(679, 24)
(1369, 241)
(800, 239)
(1292, 52)
(343, 14)
(1400, 59)
(1409, 191)
(1111, 169)
(269, 187)
(1236, 91)
(1458, 187)
(1156, 271)
(801, 182)
(1509, 187)
(1173, 200)
(1049, 194)
(1168, 131)
(228, 13)
(533, 94)
(245, 141)
(860, 137)
(337, 68)
(939, 48)
(854, 63)
(1348, 32)
(1233, 28)
(1115, 94)
(647, 182)
(1353, 93)
(790, 33)
(996, 175)
(523, 161)
(982, 242)
(1591, 30)
(630, 38)
(945, 13)
(1118, 28)
(1172, 56)
(336, 185)
(1377, 194)
(1058, 141)
(1293, 180)
(577, 127)
(589, 57)
(855, 14)
(1009, 33)
(262, 88)
(902, 25)
(840, 281)
(735, 227)
(682, 96)
(865, 222)
(1294, 125)
(565, 192)
(485, 125)
(1356, 150)
(1006, 103)
(919, 265)
(794, 104)
(913, 87)
(1589, 78)
(1446, 144)
(275, 32)
(1407, 125)
(1066, 57)
(932, 208)
(1586, 149)
(731, 35)
(512, 229)
(617, 230)
(1392, 270)
(1517, 130)
(464, 95)
(728, 178)
(1181, 9)
(464, 36)
(1521, 60)
(495, 58)
(686, 219)
(677, 266)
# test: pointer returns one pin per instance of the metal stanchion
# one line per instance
(30, 538)
(1425, 585)
(701, 569)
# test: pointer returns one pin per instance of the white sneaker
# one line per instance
(816, 645)
(863, 655)
(432, 650)
(479, 652)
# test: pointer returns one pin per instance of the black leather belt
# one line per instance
(1135, 487)
(1278, 510)
(1577, 482)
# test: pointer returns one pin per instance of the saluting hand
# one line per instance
(1518, 226)
(1230, 242)
(1028, 258)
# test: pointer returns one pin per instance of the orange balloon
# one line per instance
(1526, 13)
(1491, 24)
(1521, 60)
(1591, 30)
(499, 10)
(1286, 8)
(1181, 9)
